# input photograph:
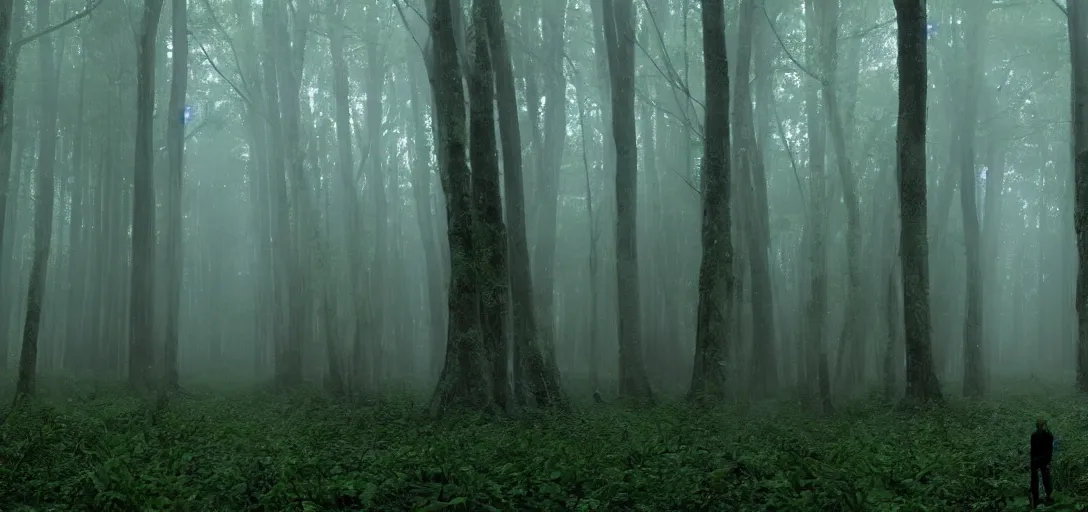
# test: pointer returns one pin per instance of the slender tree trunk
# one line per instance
(818, 230)
(175, 140)
(375, 66)
(620, 38)
(922, 381)
(538, 371)
(754, 184)
(554, 141)
(351, 211)
(852, 330)
(421, 188)
(43, 208)
(716, 280)
(591, 221)
(974, 365)
(142, 308)
(11, 13)
(7, 60)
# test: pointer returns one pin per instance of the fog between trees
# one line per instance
(520, 202)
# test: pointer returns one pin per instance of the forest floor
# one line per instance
(111, 451)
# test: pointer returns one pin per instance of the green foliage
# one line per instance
(116, 452)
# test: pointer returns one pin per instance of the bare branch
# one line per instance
(207, 57)
(782, 44)
(863, 33)
(404, 20)
(676, 80)
(82, 14)
(230, 42)
(789, 151)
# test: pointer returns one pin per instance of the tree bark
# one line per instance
(489, 233)
(817, 229)
(716, 280)
(466, 375)
(974, 364)
(540, 375)
(175, 140)
(620, 39)
(43, 208)
(421, 188)
(1078, 48)
(754, 184)
(351, 211)
(142, 309)
(850, 342)
(922, 384)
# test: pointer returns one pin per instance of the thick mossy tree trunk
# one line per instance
(716, 280)
(619, 35)
(922, 384)
(1078, 49)
(539, 374)
(489, 230)
(466, 375)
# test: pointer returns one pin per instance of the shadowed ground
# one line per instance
(106, 450)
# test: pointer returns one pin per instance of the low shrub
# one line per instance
(111, 451)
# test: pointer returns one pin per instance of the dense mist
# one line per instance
(503, 206)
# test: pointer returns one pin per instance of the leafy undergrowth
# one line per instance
(115, 452)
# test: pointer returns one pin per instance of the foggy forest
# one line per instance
(519, 255)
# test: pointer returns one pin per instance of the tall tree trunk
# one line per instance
(78, 257)
(754, 184)
(817, 229)
(351, 211)
(7, 60)
(289, 43)
(620, 37)
(142, 308)
(716, 280)
(1078, 49)
(539, 372)
(553, 22)
(43, 207)
(922, 381)
(372, 349)
(991, 237)
(11, 14)
(489, 233)
(974, 365)
(175, 141)
(466, 375)
(421, 188)
(850, 342)
(591, 221)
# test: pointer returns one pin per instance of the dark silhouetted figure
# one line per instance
(1042, 449)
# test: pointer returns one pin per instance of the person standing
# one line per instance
(1042, 450)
